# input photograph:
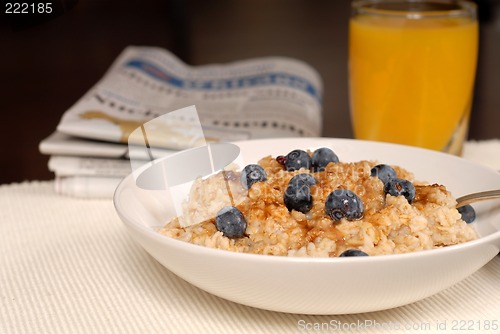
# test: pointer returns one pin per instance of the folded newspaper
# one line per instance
(255, 98)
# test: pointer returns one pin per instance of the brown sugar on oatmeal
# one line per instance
(389, 224)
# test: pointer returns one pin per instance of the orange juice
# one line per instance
(411, 81)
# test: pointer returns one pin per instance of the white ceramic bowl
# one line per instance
(325, 285)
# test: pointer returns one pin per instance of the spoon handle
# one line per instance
(476, 197)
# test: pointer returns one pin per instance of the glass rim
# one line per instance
(464, 8)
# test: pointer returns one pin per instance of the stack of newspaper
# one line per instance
(255, 98)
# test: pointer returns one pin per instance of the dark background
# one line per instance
(48, 62)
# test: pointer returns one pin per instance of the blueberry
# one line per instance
(308, 179)
(322, 157)
(384, 172)
(297, 159)
(298, 193)
(252, 174)
(353, 252)
(344, 203)
(400, 187)
(231, 222)
(468, 213)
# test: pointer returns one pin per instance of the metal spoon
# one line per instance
(476, 197)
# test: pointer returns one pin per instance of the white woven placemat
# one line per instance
(68, 266)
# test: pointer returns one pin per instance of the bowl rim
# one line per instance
(179, 244)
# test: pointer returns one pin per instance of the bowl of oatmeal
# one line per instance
(291, 228)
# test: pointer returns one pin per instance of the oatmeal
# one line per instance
(316, 206)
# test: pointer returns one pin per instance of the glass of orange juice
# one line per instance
(412, 67)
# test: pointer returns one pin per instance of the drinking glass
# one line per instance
(412, 67)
